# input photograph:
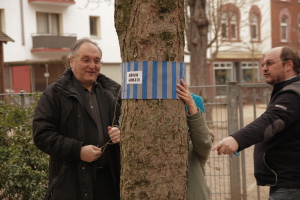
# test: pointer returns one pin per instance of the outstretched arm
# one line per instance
(228, 145)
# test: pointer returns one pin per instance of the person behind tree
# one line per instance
(201, 139)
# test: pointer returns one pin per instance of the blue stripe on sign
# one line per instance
(154, 80)
(181, 71)
(128, 85)
(135, 86)
(174, 77)
(164, 80)
(145, 79)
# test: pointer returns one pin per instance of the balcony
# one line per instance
(53, 2)
(47, 42)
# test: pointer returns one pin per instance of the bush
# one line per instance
(24, 168)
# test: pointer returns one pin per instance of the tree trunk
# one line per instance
(2, 88)
(197, 43)
(154, 136)
(198, 29)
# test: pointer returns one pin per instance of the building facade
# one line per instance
(243, 37)
(246, 29)
(43, 31)
(285, 16)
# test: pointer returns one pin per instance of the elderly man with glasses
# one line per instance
(276, 133)
(76, 124)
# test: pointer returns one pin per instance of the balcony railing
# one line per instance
(42, 41)
(53, 2)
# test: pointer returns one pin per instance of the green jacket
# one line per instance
(199, 149)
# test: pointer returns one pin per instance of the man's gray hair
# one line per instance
(76, 45)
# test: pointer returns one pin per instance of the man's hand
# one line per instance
(228, 145)
(114, 134)
(90, 153)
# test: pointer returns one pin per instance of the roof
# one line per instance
(5, 38)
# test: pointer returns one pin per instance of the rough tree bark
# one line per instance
(2, 88)
(154, 141)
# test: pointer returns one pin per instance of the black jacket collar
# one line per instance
(280, 85)
(66, 82)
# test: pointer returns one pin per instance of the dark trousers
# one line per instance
(284, 194)
(104, 186)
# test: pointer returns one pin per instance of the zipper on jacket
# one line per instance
(271, 171)
(76, 97)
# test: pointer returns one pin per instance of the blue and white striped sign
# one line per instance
(151, 79)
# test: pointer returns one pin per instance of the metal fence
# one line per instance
(229, 177)
(19, 99)
(229, 108)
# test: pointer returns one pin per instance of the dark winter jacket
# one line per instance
(276, 134)
(63, 123)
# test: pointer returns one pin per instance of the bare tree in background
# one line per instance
(196, 33)
(203, 19)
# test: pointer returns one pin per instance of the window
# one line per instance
(254, 26)
(230, 18)
(250, 72)
(223, 72)
(233, 26)
(254, 22)
(224, 21)
(47, 23)
(285, 25)
(284, 28)
(94, 26)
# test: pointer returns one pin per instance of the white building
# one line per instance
(43, 30)
(244, 35)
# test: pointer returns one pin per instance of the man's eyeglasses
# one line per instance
(86, 61)
(269, 63)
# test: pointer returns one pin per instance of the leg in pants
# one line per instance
(284, 194)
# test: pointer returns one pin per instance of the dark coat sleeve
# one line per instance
(46, 129)
(281, 113)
